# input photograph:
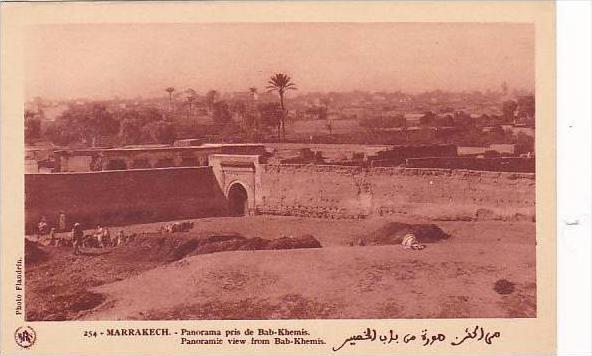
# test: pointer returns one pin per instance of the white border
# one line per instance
(574, 177)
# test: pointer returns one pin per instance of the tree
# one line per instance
(250, 120)
(399, 120)
(60, 133)
(427, 119)
(324, 114)
(280, 82)
(84, 123)
(271, 115)
(526, 107)
(130, 132)
(221, 113)
(170, 90)
(159, 132)
(240, 109)
(211, 98)
(38, 104)
(505, 88)
(524, 143)
(508, 109)
(253, 92)
(133, 121)
(463, 120)
(382, 122)
(191, 95)
(32, 126)
(250, 114)
(445, 121)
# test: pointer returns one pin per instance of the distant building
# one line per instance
(503, 148)
(142, 157)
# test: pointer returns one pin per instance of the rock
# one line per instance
(503, 286)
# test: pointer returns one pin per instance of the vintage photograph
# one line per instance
(279, 170)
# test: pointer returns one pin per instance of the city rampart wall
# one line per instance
(357, 192)
(123, 197)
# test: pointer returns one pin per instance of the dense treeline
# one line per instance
(88, 124)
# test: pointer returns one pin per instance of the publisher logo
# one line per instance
(25, 336)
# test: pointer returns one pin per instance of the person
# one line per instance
(120, 238)
(410, 242)
(107, 237)
(42, 227)
(62, 221)
(99, 236)
(77, 236)
(52, 237)
(103, 236)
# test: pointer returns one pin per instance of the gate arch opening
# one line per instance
(237, 200)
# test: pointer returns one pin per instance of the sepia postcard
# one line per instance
(257, 178)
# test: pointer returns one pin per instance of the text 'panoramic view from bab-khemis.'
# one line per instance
(279, 171)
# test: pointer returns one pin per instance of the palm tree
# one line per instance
(191, 96)
(251, 120)
(211, 98)
(170, 90)
(253, 92)
(325, 102)
(281, 82)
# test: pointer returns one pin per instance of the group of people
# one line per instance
(101, 238)
(43, 227)
(182, 226)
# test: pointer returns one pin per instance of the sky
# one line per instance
(130, 60)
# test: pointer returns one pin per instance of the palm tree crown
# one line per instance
(281, 82)
(191, 95)
(170, 90)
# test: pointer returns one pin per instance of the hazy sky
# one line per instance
(65, 61)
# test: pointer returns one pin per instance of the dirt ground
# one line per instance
(486, 269)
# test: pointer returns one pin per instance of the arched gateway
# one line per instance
(238, 200)
(237, 178)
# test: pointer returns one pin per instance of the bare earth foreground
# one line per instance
(454, 278)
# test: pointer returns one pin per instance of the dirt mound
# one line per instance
(158, 247)
(392, 234)
(213, 238)
(147, 247)
(65, 293)
(235, 242)
(85, 301)
(184, 249)
(238, 244)
(68, 304)
(285, 243)
(34, 254)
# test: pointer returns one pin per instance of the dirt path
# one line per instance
(454, 278)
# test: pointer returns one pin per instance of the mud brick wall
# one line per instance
(509, 164)
(122, 197)
(313, 190)
(356, 192)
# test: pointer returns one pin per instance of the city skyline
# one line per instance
(131, 60)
